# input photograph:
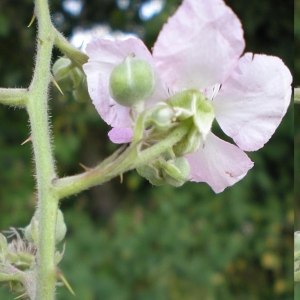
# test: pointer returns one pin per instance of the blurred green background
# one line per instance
(132, 241)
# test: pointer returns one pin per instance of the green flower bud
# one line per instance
(62, 68)
(152, 174)
(67, 75)
(176, 172)
(189, 144)
(132, 81)
(61, 228)
(31, 231)
(163, 116)
(164, 170)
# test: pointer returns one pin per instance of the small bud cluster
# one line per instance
(70, 78)
(166, 171)
(188, 108)
(19, 255)
(16, 257)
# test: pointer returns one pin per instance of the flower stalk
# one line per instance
(130, 159)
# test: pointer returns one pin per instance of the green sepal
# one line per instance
(190, 143)
(62, 68)
(192, 103)
(68, 77)
(152, 174)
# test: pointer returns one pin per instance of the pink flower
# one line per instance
(200, 48)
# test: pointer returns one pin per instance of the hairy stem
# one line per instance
(14, 97)
(37, 108)
(77, 57)
(128, 160)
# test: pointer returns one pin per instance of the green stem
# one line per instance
(14, 97)
(37, 108)
(128, 160)
(297, 95)
(77, 57)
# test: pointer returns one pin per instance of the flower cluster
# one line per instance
(202, 74)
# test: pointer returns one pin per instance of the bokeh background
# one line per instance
(131, 240)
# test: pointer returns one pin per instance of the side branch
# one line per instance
(130, 159)
(14, 97)
(18, 276)
(77, 57)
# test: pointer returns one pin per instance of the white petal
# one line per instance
(218, 163)
(253, 100)
(120, 135)
(199, 45)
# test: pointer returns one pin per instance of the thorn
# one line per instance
(30, 23)
(22, 296)
(26, 141)
(121, 178)
(85, 168)
(57, 86)
(65, 282)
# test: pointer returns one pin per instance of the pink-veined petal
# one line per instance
(218, 163)
(253, 100)
(199, 46)
(104, 55)
(120, 135)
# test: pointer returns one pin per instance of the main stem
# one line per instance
(37, 107)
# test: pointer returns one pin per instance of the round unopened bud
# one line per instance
(62, 68)
(132, 81)
(31, 231)
(176, 171)
(151, 173)
(164, 116)
(67, 75)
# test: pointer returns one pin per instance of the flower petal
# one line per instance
(120, 135)
(218, 163)
(253, 100)
(104, 55)
(199, 45)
